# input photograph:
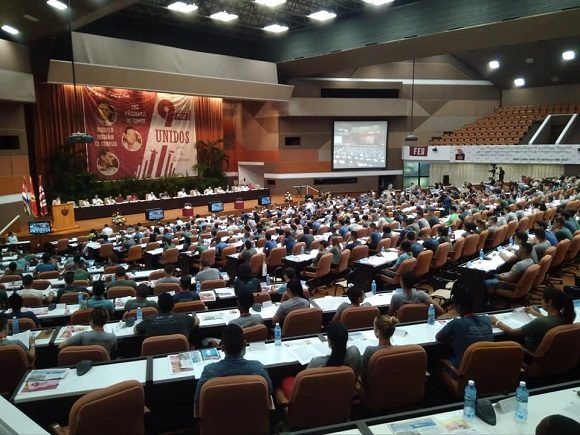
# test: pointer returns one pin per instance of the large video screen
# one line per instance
(359, 145)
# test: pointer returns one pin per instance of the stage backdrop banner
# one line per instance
(139, 134)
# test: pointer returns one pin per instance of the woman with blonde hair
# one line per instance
(384, 328)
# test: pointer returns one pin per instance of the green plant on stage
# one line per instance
(211, 158)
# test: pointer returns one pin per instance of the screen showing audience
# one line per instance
(215, 207)
(42, 227)
(359, 145)
(154, 214)
(265, 200)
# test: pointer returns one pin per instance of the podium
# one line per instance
(63, 217)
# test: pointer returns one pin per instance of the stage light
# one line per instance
(276, 28)
(224, 16)
(378, 2)
(493, 64)
(10, 29)
(270, 3)
(322, 15)
(57, 5)
(519, 82)
(182, 7)
(569, 55)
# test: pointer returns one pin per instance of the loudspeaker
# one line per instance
(446, 180)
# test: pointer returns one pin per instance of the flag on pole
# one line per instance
(32, 198)
(25, 198)
(42, 198)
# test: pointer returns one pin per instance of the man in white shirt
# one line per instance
(182, 193)
(107, 230)
(27, 290)
(97, 201)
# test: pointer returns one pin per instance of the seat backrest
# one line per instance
(402, 390)
(511, 229)
(24, 324)
(120, 292)
(302, 322)
(151, 246)
(298, 248)
(276, 256)
(170, 255)
(558, 352)
(323, 266)
(145, 311)
(13, 365)
(412, 313)
(52, 274)
(358, 252)
(423, 263)
(121, 405)
(71, 355)
(544, 264)
(256, 333)
(162, 287)
(321, 396)
(71, 298)
(470, 246)
(256, 262)
(440, 257)
(156, 274)
(31, 301)
(161, 344)
(523, 224)
(81, 317)
(343, 261)
(246, 399)
(106, 251)
(406, 266)
(40, 284)
(573, 249)
(560, 255)
(383, 244)
(480, 363)
(457, 250)
(189, 307)
(135, 253)
(210, 284)
(110, 269)
(208, 255)
(62, 245)
(261, 297)
(498, 236)
(524, 284)
(482, 239)
(359, 317)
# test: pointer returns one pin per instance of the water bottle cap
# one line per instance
(431, 306)
(471, 383)
(522, 383)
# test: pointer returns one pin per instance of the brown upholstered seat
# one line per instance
(162, 344)
(302, 322)
(134, 254)
(523, 286)
(261, 297)
(52, 274)
(406, 266)
(560, 255)
(156, 274)
(359, 317)
(81, 317)
(169, 256)
(383, 391)
(234, 405)
(210, 284)
(40, 284)
(470, 246)
(357, 253)
(206, 256)
(423, 263)
(320, 396)
(440, 258)
(31, 301)
(456, 250)
(162, 287)
(120, 292)
(13, 365)
(322, 268)
(495, 368)
(256, 333)
(189, 307)
(412, 313)
(146, 312)
(24, 324)
(71, 355)
(256, 264)
(71, 298)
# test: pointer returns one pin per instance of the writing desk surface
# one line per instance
(13, 421)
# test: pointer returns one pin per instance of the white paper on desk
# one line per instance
(516, 319)
(266, 304)
(23, 337)
(304, 354)
(257, 345)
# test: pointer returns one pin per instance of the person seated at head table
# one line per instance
(560, 309)
(11, 238)
(167, 322)
(410, 295)
(98, 299)
(295, 301)
(97, 334)
(233, 344)
(384, 328)
(28, 290)
(143, 290)
(30, 352)
(15, 303)
(97, 201)
(469, 328)
(120, 279)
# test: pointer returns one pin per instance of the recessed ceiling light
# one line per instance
(378, 2)
(270, 3)
(224, 16)
(182, 7)
(57, 5)
(322, 15)
(493, 64)
(10, 29)
(31, 18)
(569, 55)
(276, 28)
(519, 82)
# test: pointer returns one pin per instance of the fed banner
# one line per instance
(139, 134)
(515, 154)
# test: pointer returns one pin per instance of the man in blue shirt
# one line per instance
(46, 265)
(233, 345)
(550, 236)
(270, 244)
(416, 247)
(375, 236)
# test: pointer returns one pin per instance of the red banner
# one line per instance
(139, 134)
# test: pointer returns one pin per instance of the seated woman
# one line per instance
(560, 310)
(384, 328)
(340, 355)
(356, 296)
(99, 317)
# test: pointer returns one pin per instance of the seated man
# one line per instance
(410, 295)
(5, 341)
(169, 277)
(356, 296)
(185, 294)
(233, 345)
(81, 273)
(469, 328)
(354, 242)
(560, 230)
(248, 252)
(245, 302)
(416, 247)
(120, 279)
(69, 278)
(404, 254)
(15, 302)
(166, 322)
(207, 272)
(429, 243)
(46, 266)
(295, 301)
(27, 290)
(98, 299)
(507, 280)
(99, 317)
(143, 290)
(540, 243)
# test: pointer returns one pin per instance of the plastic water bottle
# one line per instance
(15, 325)
(522, 402)
(139, 314)
(469, 400)
(374, 287)
(302, 250)
(511, 241)
(431, 315)
(481, 254)
(277, 335)
(80, 295)
(383, 249)
(268, 280)
(449, 232)
(197, 286)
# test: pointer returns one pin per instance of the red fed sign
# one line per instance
(418, 151)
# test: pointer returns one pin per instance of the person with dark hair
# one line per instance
(245, 282)
(410, 295)
(507, 280)
(248, 252)
(354, 242)
(27, 290)
(81, 274)
(289, 275)
(207, 272)
(15, 302)
(356, 296)
(443, 234)
(384, 328)
(233, 345)
(519, 238)
(375, 236)
(470, 228)
(46, 266)
(185, 294)
(560, 309)
(69, 287)
(540, 243)
(166, 322)
(405, 253)
(335, 250)
(289, 242)
(469, 328)
(143, 290)
(569, 221)
(307, 238)
(295, 301)
(245, 302)
(550, 236)
(340, 355)
(168, 274)
(12, 269)
(558, 424)
(120, 279)
(5, 341)
(560, 230)
(429, 243)
(97, 335)
(270, 244)
(98, 299)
